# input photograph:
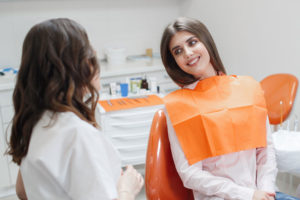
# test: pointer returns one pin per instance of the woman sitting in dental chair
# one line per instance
(217, 124)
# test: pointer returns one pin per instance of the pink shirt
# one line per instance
(231, 176)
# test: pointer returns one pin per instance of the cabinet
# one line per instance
(8, 170)
(129, 130)
(4, 171)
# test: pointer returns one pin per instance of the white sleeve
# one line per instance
(195, 178)
(92, 168)
(266, 164)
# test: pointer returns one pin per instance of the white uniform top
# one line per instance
(69, 159)
(230, 176)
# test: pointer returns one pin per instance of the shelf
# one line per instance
(130, 67)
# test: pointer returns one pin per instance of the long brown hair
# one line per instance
(57, 67)
(201, 32)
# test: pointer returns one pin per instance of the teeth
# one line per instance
(193, 61)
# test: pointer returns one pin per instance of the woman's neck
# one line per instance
(209, 72)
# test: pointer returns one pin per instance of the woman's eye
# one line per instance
(193, 42)
(177, 51)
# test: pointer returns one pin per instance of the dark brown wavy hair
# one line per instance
(201, 32)
(57, 67)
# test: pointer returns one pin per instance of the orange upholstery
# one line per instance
(161, 178)
(279, 88)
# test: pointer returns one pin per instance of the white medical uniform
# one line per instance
(69, 159)
(230, 176)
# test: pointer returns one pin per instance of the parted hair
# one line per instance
(201, 32)
(55, 74)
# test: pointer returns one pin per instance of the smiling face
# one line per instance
(191, 55)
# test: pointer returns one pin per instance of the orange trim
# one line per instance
(128, 103)
(223, 114)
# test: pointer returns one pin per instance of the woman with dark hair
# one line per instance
(55, 138)
(217, 124)
(200, 32)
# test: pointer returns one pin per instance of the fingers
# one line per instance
(129, 167)
(262, 195)
(140, 180)
(270, 197)
(271, 194)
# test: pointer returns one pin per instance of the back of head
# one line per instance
(57, 67)
(198, 29)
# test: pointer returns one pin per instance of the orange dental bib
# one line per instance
(223, 114)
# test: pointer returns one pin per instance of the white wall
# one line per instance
(254, 37)
(134, 24)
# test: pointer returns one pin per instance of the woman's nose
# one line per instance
(188, 51)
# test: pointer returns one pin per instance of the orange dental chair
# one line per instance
(161, 178)
(280, 91)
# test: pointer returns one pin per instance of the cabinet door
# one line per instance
(6, 112)
(12, 167)
(128, 131)
(4, 171)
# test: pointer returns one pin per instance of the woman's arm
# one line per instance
(195, 178)
(266, 164)
(20, 190)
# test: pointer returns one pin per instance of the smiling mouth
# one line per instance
(193, 61)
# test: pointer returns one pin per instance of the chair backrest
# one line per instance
(280, 91)
(161, 178)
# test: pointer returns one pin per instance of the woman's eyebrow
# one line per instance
(190, 39)
(174, 48)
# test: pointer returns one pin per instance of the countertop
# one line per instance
(7, 82)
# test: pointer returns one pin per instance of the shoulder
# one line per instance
(72, 119)
(65, 132)
(70, 123)
(65, 136)
(82, 132)
(181, 90)
(247, 82)
(247, 79)
(250, 86)
(173, 96)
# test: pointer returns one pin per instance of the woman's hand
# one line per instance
(262, 195)
(130, 184)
